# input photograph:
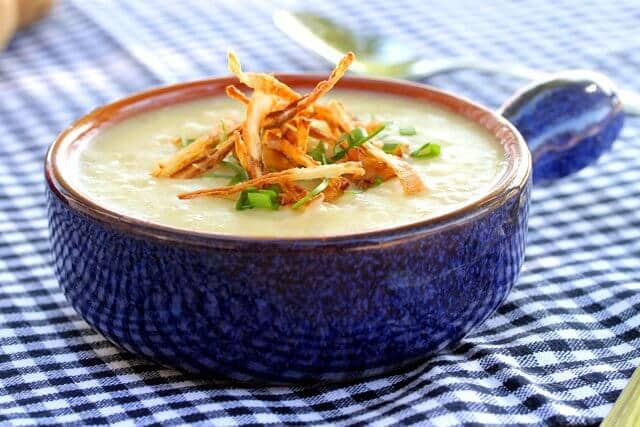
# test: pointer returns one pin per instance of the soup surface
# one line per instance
(114, 170)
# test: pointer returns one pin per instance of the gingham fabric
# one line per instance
(559, 351)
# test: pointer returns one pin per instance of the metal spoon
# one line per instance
(383, 56)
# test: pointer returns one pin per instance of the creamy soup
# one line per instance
(114, 170)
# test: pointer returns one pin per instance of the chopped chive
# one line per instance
(241, 174)
(355, 138)
(390, 147)
(237, 178)
(377, 181)
(258, 199)
(407, 131)
(319, 153)
(428, 150)
(243, 203)
(217, 175)
(186, 141)
(338, 153)
(311, 194)
(371, 135)
(357, 134)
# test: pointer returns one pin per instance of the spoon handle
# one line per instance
(626, 411)
(568, 120)
(423, 68)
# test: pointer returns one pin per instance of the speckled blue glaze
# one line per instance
(568, 120)
(276, 311)
(282, 310)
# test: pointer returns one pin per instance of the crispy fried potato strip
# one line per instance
(235, 93)
(186, 156)
(326, 85)
(278, 118)
(291, 193)
(335, 189)
(335, 116)
(322, 113)
(285, 176)
(272, 143)
(293, 153)
(250, 152)
(211, 160)
(261, 82)
(322, 135)
(202, 148)
(302, 133)
(374, 168)
(409, 178)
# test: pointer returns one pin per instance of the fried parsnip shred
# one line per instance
(272, 144)
(302, 133)
(335, 189)
(322, 113)
(326, 85)
(278, 118)
(250, 155)
(186, 156)
(291, 193)
(293, 153)
(322, 135)
(285, 176)
(409, 178)
(274, 160)
(210, 161)
(203, 147)
(235, 93)
(261, 82)
(344, 119)
(375, 169)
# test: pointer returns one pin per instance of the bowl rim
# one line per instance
(515, 177)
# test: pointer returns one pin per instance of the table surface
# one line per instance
(559, 351)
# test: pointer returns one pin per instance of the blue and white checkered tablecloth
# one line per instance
(559, 351)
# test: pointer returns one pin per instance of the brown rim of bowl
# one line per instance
(513, 179)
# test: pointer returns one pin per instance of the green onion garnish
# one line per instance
(390, 147)
(355, 138)
(311, 194)
(241, 174)
(260, 200)
(407, 131)
(357, 134)
(186, 141)
(217, 175)
(377, 181)
(252, 198)
(319, 153)
(428, 150)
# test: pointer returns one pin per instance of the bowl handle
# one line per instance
(568, 120)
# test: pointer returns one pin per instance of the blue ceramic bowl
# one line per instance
(280, 310)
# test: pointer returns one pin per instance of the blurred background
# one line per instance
(93, 51)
